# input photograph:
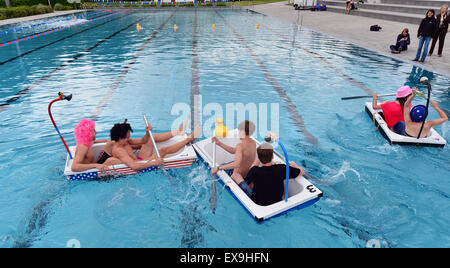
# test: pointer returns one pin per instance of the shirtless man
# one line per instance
(415, 118)
(137, 143)
(245, 156)
(85, 135)
(123, 147)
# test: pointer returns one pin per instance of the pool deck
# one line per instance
(355, 29)
(41, 16)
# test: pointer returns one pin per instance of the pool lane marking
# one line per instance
(54, 30)
(322, 59)
(64, 38)
(195, 87)
(290, 106)
(126, 69)
(5, 105)
(16, 30)
(330, 65)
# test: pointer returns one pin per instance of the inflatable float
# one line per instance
(301, 193)
(433, 138)
(183, 158)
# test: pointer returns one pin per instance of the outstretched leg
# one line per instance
(168, 135)
(179, 145)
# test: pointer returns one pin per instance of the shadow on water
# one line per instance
(33, 225)
(416, 74)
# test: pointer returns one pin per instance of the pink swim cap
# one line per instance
(85, 132)
(403, 92)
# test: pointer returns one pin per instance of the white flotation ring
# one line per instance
(183, 158)
(433, 138)
(302, 193)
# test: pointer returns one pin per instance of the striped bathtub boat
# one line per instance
(183, 158)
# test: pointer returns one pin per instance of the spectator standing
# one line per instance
(443, 19)
(427, 29)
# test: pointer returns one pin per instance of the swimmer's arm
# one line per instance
(406, 108)
(442, 120)
(227, 148)
(237, 160)
(375, 102)
(123, 156)
(101, 141)
(137, 143)
(78, 166)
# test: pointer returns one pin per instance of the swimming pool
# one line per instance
(374, 193)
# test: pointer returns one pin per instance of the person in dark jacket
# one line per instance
(427, 29)
(403, 40)
(443, 19)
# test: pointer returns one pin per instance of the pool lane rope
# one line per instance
(50, 22)
(58, 29)
(61, 97)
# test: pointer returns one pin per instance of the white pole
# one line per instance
(7, 3)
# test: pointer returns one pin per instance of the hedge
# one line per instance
(23, 11)
(16, 3)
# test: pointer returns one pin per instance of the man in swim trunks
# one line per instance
(137, 143)
(245, 155)
(85, 135)
(123, 147)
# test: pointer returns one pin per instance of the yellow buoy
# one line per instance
(214, 26)
(138, 27)
(221, 130)
(175, 27)
(257, 26)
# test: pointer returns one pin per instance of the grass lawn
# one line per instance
(256, 2)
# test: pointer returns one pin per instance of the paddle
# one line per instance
(220, 131)
(213, 195)
(367, 96)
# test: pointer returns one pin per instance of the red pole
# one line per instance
(61, 97)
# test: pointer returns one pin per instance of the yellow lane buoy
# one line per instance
(257, 26)
(221, 130)
(175, 27)
(214, 26)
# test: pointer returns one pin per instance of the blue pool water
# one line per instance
(374, 193)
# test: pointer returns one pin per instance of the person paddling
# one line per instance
(393, 111)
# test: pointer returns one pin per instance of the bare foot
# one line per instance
(197, 133)
(181, 130)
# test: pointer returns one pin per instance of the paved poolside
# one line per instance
(41, 16)
(356, 30)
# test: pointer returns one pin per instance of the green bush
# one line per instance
(23, 11)
(58, 6)
(15, 3)
(41, 9)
